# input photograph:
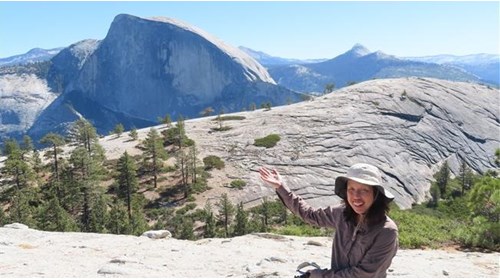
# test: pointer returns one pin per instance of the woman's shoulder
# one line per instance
(390, 225)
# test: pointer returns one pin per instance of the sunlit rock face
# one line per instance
(147, 68)
(22, 98)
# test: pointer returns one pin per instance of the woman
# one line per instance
(366, 239)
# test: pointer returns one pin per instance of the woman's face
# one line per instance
(359, 196)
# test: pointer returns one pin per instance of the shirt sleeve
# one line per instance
(326, 217)
(376, 260)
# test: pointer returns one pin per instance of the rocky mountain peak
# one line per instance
(358, 50)
(253, 70)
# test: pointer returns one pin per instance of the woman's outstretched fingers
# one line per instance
(270, 177)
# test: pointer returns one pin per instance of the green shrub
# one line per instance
(213, 162)
(238, 184)
(269, 141)
(199, 186)
(423, 227)
(190, 206)
(182, 211)
(481, 234)
(187, 142)
(223, 128)
(171, 137)
(229, 118)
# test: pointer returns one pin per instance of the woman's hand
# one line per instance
(272, 178)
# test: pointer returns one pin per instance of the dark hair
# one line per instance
(375, 214)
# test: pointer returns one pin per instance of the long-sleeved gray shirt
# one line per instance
(357, 252)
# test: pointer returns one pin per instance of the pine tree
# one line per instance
(118, 220)
(182, 160)
(81, 172)
(484, 205)
(127, 180)
(265, 213)
(226, 212)
(78, 189)
(241, 221)
(329, 88)
(283, 213)
(17, 169)
(181, 131)
(87, 169)
(435, 195)
(166, 120)
(9, 145)
(484, 199)
(118, 130)
(27, 146)
(193, 159)
(36, 162)
(99, 216)
(209, 221)
(138, 223)
(187, 229)
(20, 209)
(55, 141)
(19, 173)
(84, 133)
(52, 217)
(3, 217)
(133, 134)
(207, 112)
(70, 189)
(465, 176)
(154, 152)
(442, 178)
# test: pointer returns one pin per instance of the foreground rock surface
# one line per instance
(33, 253)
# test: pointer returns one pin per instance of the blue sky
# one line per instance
(293, 29)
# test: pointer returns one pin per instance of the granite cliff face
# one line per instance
(68, 62)
(26, 91)
(22, 99)
(147, 68)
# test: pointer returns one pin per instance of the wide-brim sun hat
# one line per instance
(362, 173)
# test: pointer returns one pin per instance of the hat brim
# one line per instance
(341, 187)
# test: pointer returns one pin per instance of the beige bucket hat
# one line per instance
(362, 173)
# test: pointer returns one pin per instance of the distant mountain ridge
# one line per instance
(485, 66)
(473, 59)
(268, 60)
(359, 64)
(33, 55)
